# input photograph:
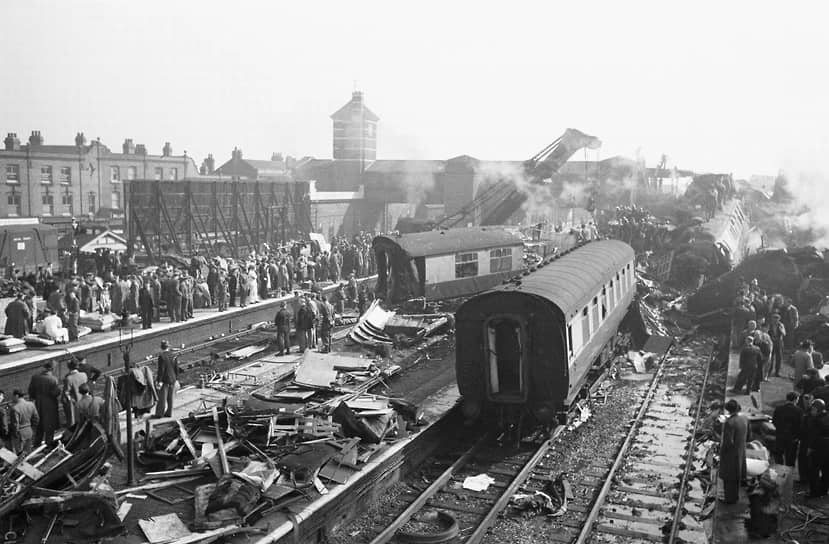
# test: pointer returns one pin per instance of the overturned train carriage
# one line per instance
(445, 263)
(528, 346)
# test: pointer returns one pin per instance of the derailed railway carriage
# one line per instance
(445, 263)
(526, 348)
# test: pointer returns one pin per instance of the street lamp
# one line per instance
(125, 346)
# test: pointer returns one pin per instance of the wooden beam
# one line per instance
(221, 446)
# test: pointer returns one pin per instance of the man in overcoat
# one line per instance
(733, 452)
(44, 391)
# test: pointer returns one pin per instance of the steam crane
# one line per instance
(496, 203)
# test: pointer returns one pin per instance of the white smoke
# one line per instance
(807, 215)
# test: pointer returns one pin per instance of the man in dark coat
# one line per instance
(305, 326)
(146, 306)
(786, 421)
(17, 317)
(733, 452)
(777, 332)
(283, 329)
(817, 444)
(750, 359)
(44, 391)
(167, 377)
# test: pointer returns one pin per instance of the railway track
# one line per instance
(465, 516)
(643, 498)
(639, 488)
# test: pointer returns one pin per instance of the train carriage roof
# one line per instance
(443, 242)
(573, 279)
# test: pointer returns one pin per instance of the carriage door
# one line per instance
(504, 340)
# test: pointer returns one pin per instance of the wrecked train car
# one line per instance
(720, 243)
(445, 263)
(527, 347)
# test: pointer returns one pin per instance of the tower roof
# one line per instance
(355, 104)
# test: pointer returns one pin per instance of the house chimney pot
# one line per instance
(129, 147)
(35, 139)
(12, 142)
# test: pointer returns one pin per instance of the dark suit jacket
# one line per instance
(167, 368)
(786, 421)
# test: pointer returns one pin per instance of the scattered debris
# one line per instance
(481, 482)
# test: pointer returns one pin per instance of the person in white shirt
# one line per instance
(53, 327)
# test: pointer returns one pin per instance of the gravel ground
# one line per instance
(573, 454)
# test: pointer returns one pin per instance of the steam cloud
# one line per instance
(807, 215)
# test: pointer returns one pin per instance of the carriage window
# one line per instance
(506, 377)
(604, 303)
(612, 293)
(466, 265)
(571, 350)
(594, 309)
(500, 260)
(585, 326)
(618, 286)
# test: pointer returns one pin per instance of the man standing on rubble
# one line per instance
(44, 391)
(167, 376)
(304, 326)
(777, 331)
(283, 329)
(24, 418)
(326, 322)
(733, 452)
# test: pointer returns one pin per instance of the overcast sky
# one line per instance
(717, 86)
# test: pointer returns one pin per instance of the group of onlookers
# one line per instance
(25, 423)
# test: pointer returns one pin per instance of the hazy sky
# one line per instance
(717, 86)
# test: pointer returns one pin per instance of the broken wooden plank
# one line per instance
(186, 437)
(176, 473)
(222, 453)
(20, 465)
(157, 485)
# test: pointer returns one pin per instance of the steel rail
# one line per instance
(683, 488)
(587, 528)
(388, 533)
(519, 479)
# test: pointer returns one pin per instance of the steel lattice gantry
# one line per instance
(214, 216)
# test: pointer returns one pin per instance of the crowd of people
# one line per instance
(33, 416)
(176, 288)
(767, 325)
(639, 228)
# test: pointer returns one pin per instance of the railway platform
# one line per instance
(729, 519)
(102, 349)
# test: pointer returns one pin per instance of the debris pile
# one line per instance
(379, 328)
